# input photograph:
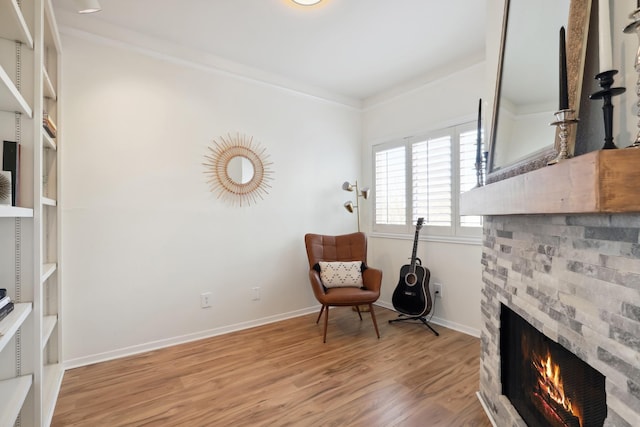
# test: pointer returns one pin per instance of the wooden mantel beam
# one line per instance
(606, 181)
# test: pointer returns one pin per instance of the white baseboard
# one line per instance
(442, 322)
(486, 409)
(155, 345)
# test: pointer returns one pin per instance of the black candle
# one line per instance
(564, 91)
(479, 137)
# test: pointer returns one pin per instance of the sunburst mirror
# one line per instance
(238, 169)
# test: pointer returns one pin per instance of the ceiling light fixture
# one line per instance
(307, 2)
(87, 6)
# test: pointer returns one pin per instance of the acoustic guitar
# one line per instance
(411, 296)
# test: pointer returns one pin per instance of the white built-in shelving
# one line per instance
(13, 393)
(13, 26)
(31, 368)
(49, 90)
(48, 220)
(47, 201)
(15, 212)
(14, 320)
(10, 98)
(47, 270)
(48, 142)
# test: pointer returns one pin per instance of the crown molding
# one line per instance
(95, 30)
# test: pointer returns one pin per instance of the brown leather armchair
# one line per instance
(348, 247)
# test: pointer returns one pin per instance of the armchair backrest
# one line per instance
(347, 247)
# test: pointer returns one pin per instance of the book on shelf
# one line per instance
(49, 125)
(4, 311)
(11, 163)
(4, 301)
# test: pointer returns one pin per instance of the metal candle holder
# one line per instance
(606, 80)
(564, 119)
(479, 173)
(634, 27)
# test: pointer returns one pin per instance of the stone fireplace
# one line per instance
(576, 280)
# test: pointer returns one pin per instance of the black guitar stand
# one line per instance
(404, 318)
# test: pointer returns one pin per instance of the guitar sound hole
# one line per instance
(411, 279)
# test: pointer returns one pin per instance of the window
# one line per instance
(417, 177)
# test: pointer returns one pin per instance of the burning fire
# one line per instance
(550, 384)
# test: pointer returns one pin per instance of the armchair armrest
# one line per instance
(316, 284)
(372, 279)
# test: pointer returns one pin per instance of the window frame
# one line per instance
(452, 233)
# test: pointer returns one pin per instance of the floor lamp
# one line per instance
(349, 205)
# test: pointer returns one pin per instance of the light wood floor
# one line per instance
(283, 375)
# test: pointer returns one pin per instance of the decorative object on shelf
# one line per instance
(5, 188)
(49, 125)
(606, 80)
(564, 116)
(238, 169)
(634, 27)
(479, 162)
(349, 205)
(11, 163)
(605, 76)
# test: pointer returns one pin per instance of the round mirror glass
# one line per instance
(240, 170)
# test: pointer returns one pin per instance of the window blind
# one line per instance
(431, 174)
(468, 179)
(390, 190)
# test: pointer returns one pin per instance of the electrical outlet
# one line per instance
(256, 293)
(437, 289)
(205, 300)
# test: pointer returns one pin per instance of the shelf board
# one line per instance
(48, 142)
(49, 202)
(48, 323)
(10, 98)
(13, 393)
(15, 212)
(605, 181)
(49, 90)
(12, 23)
(47, 271)
(52, 380)
(10, 324)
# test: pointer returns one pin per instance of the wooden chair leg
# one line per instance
(373, 317)
(320, 314)
(326, 322)
(358, 310)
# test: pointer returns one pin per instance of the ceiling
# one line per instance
(355, 49)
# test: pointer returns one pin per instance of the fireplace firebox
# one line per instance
(546, 383)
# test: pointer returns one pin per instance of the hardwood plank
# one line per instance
(283, 375)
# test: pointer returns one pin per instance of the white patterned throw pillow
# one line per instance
(341, 274)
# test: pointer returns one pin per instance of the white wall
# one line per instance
(448, 101)
(143, 236)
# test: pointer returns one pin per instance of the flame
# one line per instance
(550, 382)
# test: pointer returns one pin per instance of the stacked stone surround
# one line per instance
(576, 279)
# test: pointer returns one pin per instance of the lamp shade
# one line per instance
(365, 192)
(347, 187)
(349, 206)
(87, 6)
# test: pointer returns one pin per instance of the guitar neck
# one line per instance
(415, 250)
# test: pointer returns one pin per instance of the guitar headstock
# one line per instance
(419, 223)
